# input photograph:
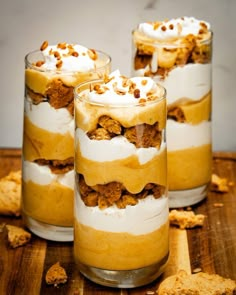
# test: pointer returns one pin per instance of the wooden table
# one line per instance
(211, 248)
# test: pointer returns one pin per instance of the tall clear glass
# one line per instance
(183, 66)
(121, 206)
(48, 145)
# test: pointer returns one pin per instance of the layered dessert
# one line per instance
(177, 54)
(121, 208)
(48, 141)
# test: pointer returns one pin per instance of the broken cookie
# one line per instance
(196, 284)
(17, 236)
(219, 184)
(185, 219)
(56, 275)
(10, 194)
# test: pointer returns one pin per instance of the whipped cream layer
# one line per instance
(117, 90)
(145, 217)
(44, 116)
(173, 28)
(115, 149)
(67, 57)
(192, 81)
(42, 175)
(182, 136)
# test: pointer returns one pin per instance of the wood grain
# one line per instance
(211, 248)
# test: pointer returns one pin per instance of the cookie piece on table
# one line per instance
(196, 284)
(219, 184)
(17, 236)
(56, 275)
(10, 194)
(186, 219)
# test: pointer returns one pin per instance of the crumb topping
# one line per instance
(59, 53)
(119, 89)
(174, 28)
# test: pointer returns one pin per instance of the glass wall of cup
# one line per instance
(121, 204)
(51, 74)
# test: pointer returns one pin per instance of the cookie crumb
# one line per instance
(219, 184)
(185, 219)
(218, 205)
(56, 275)
(196, 270)
(17, 236)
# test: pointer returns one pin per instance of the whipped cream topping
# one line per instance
(174, 28)
(120, 90)
(42, 175)
(67, 57)
(149, 214)
(54, 120)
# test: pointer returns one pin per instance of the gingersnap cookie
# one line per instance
(196, 284)
(185, 219)
(219, 184)
(56, 275)
(17, 236)
(10, 194)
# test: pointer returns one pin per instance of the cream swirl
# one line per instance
(67, 57)
(120, 90)
(174, 28)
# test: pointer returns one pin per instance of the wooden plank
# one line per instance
(179, 252)
(21, 266)
(213, 247)
(10, 160)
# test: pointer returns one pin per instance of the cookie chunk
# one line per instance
(143, 135)
(10, 194)
(176, 113)
(151, 135)
(56, 275)
(114, 193)
(185, 219)
(17, 236)
(58, 166)
(219, 184)
(111, 125)
(197, 284)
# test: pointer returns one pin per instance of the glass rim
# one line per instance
(28, 64)
(144, 104)
(157, 43)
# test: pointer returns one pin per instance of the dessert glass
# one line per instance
(177, 54)
(121, 206)
(48, 135)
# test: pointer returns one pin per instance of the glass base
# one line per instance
(184, 198)
(124, 278)
(48, 231)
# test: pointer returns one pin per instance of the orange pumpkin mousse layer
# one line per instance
(108, 250)
(121, 208)
(53, 197)
(177, 54)
(189, 168)
(48, 141)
